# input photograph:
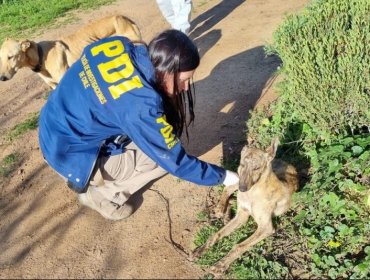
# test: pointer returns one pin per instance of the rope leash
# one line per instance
(178, 247)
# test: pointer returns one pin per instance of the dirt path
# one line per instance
(45, 233)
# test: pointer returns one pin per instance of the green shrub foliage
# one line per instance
(325, 55)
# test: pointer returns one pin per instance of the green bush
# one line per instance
(333, 209)
(325, 55)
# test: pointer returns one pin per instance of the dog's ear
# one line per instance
(25, 45)
(273, 148)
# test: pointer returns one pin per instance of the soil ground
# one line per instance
(45, 233)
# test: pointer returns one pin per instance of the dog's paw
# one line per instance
(197, 252)
(193, 257)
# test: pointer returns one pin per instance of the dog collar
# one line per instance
(40, 53)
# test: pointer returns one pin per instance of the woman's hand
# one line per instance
(231, 178)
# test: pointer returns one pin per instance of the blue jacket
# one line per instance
(108, 93)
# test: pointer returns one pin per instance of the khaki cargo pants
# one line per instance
(116, 187)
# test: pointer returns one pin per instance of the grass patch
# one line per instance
(8, 163)
(23, 17)
(22, 128)
(204, 233)
(202, 216)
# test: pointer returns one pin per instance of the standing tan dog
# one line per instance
(51, 59)
(265, 190)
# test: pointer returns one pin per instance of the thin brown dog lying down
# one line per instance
(51, 59)
(265, 190)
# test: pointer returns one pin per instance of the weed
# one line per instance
(22, 128)
(8, 163)
(202, 216)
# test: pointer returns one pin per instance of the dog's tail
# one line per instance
(128, 28)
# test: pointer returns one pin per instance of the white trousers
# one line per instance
(177, 13)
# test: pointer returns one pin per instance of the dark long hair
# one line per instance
(172, 52)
